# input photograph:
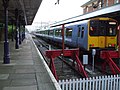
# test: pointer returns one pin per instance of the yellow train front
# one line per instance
(102, 33)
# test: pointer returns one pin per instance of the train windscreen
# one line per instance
(102, 28)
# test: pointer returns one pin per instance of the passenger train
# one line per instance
(96, 33)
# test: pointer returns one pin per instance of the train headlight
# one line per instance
(91, 45)
(111, 45)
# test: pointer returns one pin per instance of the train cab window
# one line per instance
(82, 33)
(93, 30)
(112, 27)
(68, 32)
(111, 31)
(102, 28)
(102, 31)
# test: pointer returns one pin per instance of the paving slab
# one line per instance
(23, 82)
(4, 76)
(34, 87)
(22, 76)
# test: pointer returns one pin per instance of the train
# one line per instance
(96, 33)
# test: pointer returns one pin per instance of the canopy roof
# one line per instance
(26, 8)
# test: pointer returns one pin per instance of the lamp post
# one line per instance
(6, 43)
(23, 31)
(12, 34)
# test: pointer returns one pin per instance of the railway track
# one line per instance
(63, 67)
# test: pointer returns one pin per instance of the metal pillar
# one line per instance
(6, 43)
(24, 31)
(119, 42)
(12, 35)
(16, 30)
(20, 30)
(108, 56)
(63, 45)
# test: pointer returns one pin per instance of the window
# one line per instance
(116, 1)
(102, 28)
(58, 32)
(68, 32)
(46, 32)
(100, 5)
(51, 32)
(79, 28)
(93, 28)
(82, 33)
(86, 9)
(106, 2)
(112, 27)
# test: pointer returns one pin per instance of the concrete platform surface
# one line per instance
(27, 69)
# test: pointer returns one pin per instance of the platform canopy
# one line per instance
(27, 9)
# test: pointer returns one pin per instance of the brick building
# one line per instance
(93, 5)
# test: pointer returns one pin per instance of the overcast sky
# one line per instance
(48, 11)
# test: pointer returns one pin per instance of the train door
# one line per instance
(97, 34)
(102, 34)
(80, 35)
(101, 42)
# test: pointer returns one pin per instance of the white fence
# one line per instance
(96, 83)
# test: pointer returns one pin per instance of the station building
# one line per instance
(94, 5)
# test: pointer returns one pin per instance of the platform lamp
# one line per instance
(6, 43)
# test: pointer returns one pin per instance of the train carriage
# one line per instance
(95, 33)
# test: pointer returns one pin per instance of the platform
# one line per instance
(27, 69)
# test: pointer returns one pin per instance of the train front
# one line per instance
(102, 34)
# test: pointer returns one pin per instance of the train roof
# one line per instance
(83, 22)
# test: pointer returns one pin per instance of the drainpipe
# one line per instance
(6, 43)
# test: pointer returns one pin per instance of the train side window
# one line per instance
(68, 32)
(82, 33)
(47, 32)
(51, 32)
(58, 32)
